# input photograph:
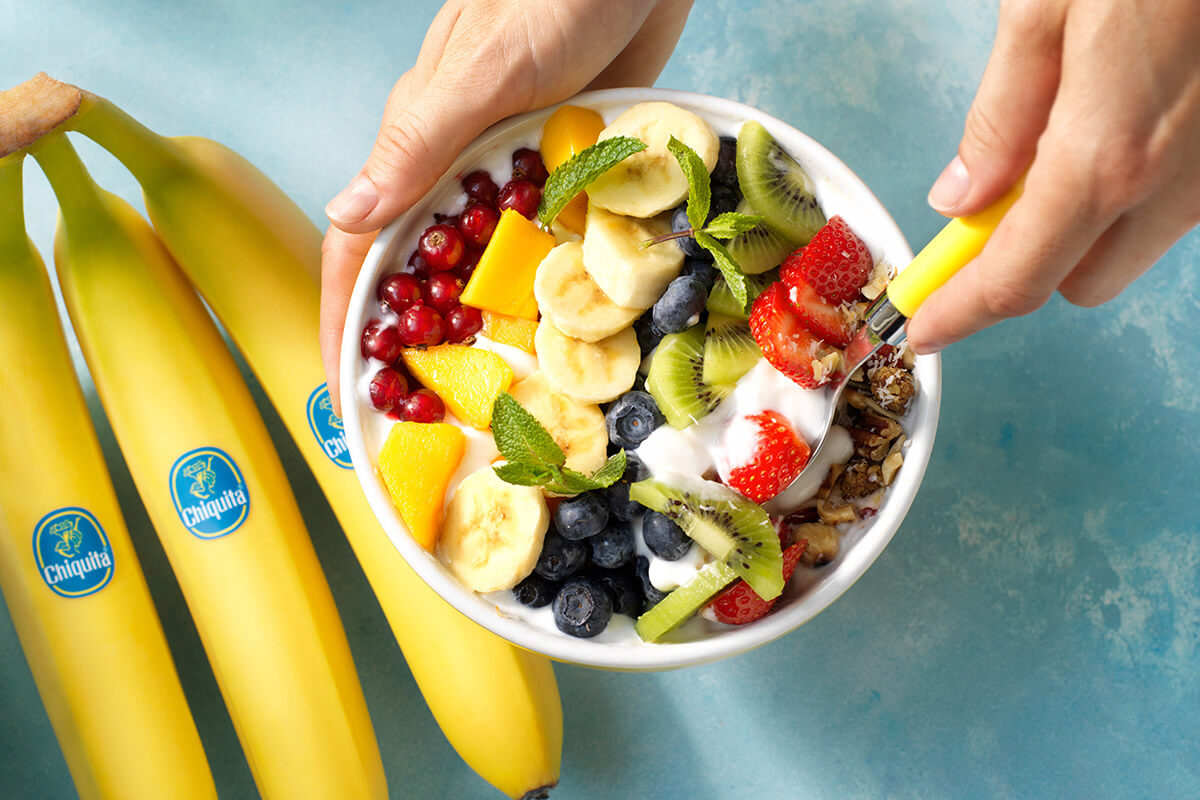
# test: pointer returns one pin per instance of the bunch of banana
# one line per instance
(255, 258)
(217, 494)
(77, 597)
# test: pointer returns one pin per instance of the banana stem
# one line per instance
(143, 152)
(12, 204)
(78, 196)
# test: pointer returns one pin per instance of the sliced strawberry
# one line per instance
(738, 604)
(779, 456)
(823, 318)
(782, 337)
(835, 263)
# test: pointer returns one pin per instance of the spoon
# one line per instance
(954, 246)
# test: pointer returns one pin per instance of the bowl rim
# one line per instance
(639, 656)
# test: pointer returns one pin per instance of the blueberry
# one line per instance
(560, 558)
(582, 608)
(702, 271)
(652, 594)
(664, 538)
(623, 587)
(648, 336)
(619, 503)
(680, 305)
(724, 200)
(632, 418)
(689, 246)
(581, 516)
(726, 169)
(613, 546)
(535, 591)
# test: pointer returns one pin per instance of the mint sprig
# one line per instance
(535, 459)
(699, 185)
(573, 176)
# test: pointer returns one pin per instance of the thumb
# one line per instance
(1009, 112)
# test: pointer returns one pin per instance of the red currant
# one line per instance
(421, 325)
(466, 267)
(387, 389)
(422, 406)
(441, 291)
(480, 186)
(382, 342)
(463, 322)
(417, 265)
(398, 291)
(521, 196)
(477, 223)
(441, 246)
(446, 219)
(528, 164)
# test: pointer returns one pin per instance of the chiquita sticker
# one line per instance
(209, 492)
(72, 551)
(328, 428)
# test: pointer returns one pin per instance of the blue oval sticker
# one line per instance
(210, 494)
(72, 552)
(328, 428)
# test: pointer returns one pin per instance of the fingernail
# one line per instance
(354, 202)
(928, 349)
(950, 189)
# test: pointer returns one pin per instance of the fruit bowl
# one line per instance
(839, 192)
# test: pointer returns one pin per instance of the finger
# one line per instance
(342, 256)
(1010, 109)
(643, 59)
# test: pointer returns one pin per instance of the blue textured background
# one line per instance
(1032, 632)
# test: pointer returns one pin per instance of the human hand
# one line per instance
(1100, 100)
(481, 61)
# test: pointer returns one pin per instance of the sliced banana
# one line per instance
(493, 532)
(587, 372)
(630, 275)
(577, 428)
(651, 181)
(568, 297)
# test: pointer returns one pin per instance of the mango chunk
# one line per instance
(569, 130)
(466, 378)
(503, 279)
(416, 463)
(512, 331)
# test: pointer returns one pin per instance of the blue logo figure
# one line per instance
(210, 494)
(328, 427)
(72, 552)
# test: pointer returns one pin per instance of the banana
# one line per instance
(493, 532)
(78, 598)
(651, 181)
(216, 492)
(568, 297)
(254, 256)
(630, 275)
(577, 428)
(587, 372)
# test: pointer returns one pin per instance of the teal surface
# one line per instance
(1032, 632)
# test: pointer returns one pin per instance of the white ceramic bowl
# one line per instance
(839, 191)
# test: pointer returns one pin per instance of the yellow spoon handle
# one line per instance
(957, 244)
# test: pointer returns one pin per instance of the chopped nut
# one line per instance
(908, 358)
(859, 400)
(834, 515)
(822, 541)
(860, 479)
(890, 466)
(869, 444)
(893, 387)
(884, 426)
(826, 365)
(835, 470)
(880, 275)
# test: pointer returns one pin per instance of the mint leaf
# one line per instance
(731, 224)
(520, 438)
(699, 187)
(729, 268)
(522, 474)
(573, 176)
(611, 471)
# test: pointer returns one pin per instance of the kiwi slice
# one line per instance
(676, 379)
(758, 249)
(679, 606)
(722, 301)
(729, 349)
(776, 186)
(732, 528)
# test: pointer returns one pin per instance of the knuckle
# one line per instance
(1023, 17)
(981, 131)
(401, 141)
(1005, 298)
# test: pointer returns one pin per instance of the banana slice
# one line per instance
(651, 181)
(568, 297)
(577, 428)
(630, 275)
(587, 372)
(493, 532)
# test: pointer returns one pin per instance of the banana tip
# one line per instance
(32, 109)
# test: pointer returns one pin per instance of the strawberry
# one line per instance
(823, 318)
(835, 263)
(779, 456)
(780, 334)
(738, 604)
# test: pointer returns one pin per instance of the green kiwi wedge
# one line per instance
(759, 249)
(676, 379)
(730, 527)
(722, 301)
(683, 603)
(776, 186)
(729, 349)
